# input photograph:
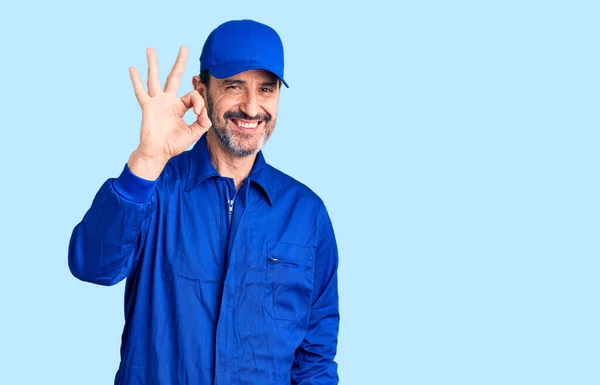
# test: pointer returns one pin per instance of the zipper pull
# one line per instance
(230, 211)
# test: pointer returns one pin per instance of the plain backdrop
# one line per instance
(455, 144)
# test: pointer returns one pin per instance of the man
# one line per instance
(231, 265)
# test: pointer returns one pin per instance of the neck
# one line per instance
(225, 163)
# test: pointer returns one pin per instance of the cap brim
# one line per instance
(229, 69)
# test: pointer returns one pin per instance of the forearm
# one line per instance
(103, 246)
(314, 359)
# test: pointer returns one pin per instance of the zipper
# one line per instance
(221, 362)
(230, 203)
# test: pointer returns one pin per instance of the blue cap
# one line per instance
(242, 45)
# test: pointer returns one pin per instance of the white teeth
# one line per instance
(247, 125)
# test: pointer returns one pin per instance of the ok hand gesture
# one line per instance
(164, 133)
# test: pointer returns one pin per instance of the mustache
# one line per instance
(244, 116)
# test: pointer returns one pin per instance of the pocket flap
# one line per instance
(291, 253)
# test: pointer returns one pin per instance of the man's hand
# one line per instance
(164, 133)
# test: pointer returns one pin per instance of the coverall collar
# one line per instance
(201, 169)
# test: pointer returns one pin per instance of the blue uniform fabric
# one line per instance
(253, 302)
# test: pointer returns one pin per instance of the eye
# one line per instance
(266, 89)
(233, 87)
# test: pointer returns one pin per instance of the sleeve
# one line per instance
(314, 359)
(105, 245)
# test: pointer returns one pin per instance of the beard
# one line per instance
(239, 144)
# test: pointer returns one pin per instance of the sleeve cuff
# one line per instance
(134, 188)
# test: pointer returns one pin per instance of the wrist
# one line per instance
(134, 188)
(145, 167)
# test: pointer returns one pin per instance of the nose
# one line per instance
(250, 104)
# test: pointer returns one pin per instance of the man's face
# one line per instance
(243, 110)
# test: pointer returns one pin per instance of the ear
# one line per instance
(199, 86)
(196, 82)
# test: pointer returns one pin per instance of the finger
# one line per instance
(203, 119)
(153, 81)
(197, 102)
(193, 100)
(172, 83)
(138, 86)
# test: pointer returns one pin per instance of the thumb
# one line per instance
(196, 130)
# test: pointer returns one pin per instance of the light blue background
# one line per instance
(454, 143)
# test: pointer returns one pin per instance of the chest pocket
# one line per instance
(288, 280)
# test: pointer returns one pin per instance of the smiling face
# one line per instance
(243, 109)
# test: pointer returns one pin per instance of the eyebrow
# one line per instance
(229, 82)
(233, 81)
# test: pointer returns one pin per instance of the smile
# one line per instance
(246, 125)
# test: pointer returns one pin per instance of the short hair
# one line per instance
(205, 77)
